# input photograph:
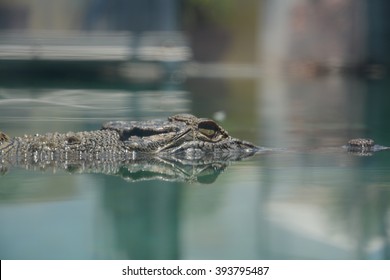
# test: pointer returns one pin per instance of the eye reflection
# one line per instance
(207, 132)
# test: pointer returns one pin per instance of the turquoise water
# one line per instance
(317, 204)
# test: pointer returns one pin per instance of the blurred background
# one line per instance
(297, 73)
(218, 52)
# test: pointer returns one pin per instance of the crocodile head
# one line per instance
(184, 136)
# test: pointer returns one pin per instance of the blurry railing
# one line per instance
(65, 46)
(154, 53)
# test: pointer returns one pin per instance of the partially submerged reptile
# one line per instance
(182, 138)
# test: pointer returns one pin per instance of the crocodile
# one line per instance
(182, 147)
(176, 145)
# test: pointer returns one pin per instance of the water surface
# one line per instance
(323, 204)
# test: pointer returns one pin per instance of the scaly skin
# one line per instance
(56, 146)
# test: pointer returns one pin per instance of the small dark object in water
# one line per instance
(360, 144)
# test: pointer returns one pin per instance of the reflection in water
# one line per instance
(144, 217)
(331, 206)
(164, 170)
(337, 208)
(146, 168)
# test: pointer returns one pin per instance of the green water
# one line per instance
(325, 204)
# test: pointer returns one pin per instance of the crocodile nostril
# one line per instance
(3, 137)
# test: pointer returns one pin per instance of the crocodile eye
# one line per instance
(209, 128)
